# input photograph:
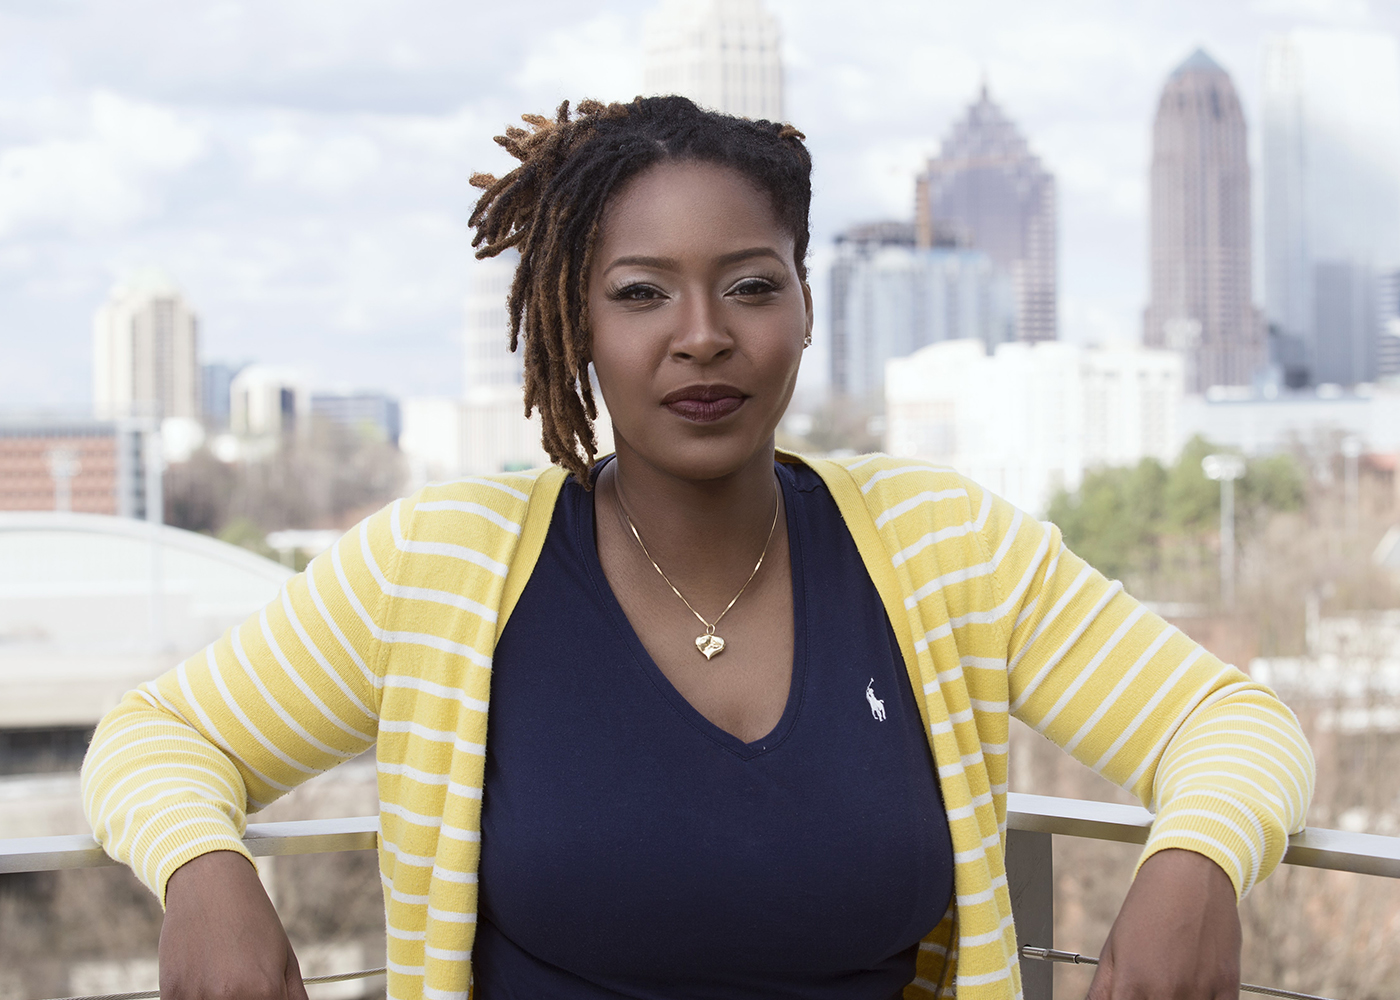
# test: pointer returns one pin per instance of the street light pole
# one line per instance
(1351, 451)
(1226, 469)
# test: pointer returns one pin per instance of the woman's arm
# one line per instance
(1221, 761)
(293, 691)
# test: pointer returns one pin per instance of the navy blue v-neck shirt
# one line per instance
(632, 848)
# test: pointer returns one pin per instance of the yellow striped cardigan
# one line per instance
(386, 641)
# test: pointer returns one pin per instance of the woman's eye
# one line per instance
(754, 286)
(637, 293)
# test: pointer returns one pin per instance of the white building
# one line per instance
(1331, 193)
(1030, 419)
(267, 401)
(485, 431)
(145, 351)
(1261, 423)
(722, 54)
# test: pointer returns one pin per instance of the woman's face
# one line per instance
(698, 318)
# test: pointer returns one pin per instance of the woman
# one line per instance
(749, 718)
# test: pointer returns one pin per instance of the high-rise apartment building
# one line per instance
(889, 298)
(1331, 198)
(1202, 302)
(146, 351)
(988, 191)
(722, 54)
(490, 365)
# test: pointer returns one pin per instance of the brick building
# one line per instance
(86, 466)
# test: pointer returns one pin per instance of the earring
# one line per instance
(807, 341)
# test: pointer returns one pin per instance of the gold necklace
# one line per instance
(709, 644)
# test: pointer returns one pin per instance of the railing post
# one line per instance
(1030, 878)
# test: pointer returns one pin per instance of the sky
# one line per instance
(300, 167)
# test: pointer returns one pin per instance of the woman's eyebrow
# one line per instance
(672, 264)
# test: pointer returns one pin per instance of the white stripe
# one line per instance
(315, 652)
(1108, 701)
(248, 727)
(404, 813)
(236, 641)
(215, 736)
(1170, 731)
(1052, 617)
(1204, 839)
(467, 507)
(1082, 626)
(403, 857)
(1237, 830)
(998, 707)
(970, 810)
(986, 895)
(408, 638)
(960, 575)
(884, 474)
(404, 970)
(430, 993)
(213, 838)
(435, 735)
(1183, 757)
(460, 552)
(444, 597)
(435, 689)
(918, 500)
(493, 484)
(999, 612)
(985, 978)
(974, 940)
(1087, 671)
(456, 877)
(412, 773)
(329, 621)
(451, 916)
(447, 954)
(394, 932)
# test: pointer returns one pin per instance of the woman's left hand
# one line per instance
(1177, 936)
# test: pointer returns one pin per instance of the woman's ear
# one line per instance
(807, 302)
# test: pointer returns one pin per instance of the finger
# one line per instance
(296, 989)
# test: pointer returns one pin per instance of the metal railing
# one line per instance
(1032, 821)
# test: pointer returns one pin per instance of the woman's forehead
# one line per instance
(691, 207)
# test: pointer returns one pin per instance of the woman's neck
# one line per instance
(708, 528)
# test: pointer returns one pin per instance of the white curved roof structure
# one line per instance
(92, 605)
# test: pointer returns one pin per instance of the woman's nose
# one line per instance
(703, 336)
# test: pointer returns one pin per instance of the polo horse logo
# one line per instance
(877, 705)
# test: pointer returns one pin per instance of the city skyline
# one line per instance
(306, 186)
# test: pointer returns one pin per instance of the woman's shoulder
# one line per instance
(885, 482)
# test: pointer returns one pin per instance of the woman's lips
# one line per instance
(704, 404)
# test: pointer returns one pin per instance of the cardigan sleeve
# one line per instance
(174, 769)
(1219, 759)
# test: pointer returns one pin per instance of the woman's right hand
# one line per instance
(222, 939)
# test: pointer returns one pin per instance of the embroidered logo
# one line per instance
(877, 705)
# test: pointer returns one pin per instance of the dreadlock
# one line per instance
(550, 208)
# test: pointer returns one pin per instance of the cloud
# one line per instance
(106, 177)
(327, 166)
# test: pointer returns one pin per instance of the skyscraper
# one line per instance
(1202, 302)
(889, 298)
(986, 190)
(722, 54)
(1331, 177)
(146, 351)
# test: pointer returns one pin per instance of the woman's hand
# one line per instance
(221, 939)
(1177, 936)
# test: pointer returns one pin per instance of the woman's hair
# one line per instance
(550, 209)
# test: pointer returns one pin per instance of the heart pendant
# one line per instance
(710, 645)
